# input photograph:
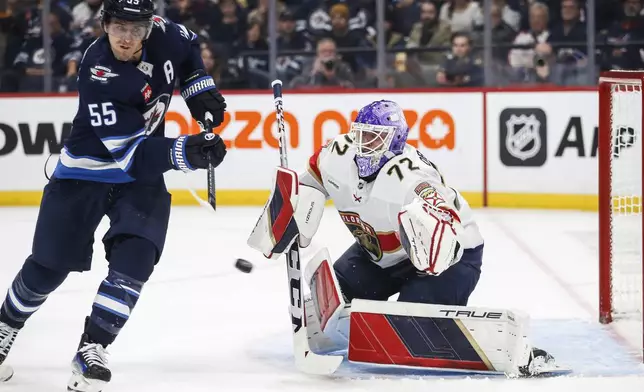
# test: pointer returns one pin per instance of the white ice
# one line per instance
(201, 325)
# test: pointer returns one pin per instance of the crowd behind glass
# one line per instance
(332, 43)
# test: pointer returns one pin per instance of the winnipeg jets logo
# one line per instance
(101, 74)
(155, 113)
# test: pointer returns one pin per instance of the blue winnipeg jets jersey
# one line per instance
(118, 132)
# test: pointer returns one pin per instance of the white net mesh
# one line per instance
(626, 197)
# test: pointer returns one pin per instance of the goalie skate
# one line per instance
(542, 364)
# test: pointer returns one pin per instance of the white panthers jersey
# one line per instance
(370, 209)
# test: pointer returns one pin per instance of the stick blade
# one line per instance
(311, 363)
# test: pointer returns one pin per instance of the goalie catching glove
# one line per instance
(292, 211)
(429, 233)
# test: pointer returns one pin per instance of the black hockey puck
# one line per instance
(244, 266)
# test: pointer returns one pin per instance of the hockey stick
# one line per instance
(305, 360)
(210, 185)
(212, 195)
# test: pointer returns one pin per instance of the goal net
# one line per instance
(620, 204)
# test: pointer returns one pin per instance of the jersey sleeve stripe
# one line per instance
(86, 162)
(126, 161)
(314, 168)
(116, 143)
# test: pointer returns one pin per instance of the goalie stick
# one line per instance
(305, 360)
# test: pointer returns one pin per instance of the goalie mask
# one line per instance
(379, 134)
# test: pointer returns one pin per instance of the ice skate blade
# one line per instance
(6, 372)
(78, 383)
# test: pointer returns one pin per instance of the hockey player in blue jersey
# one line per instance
(112, 165)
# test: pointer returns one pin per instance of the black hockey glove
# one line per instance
(191, 152)
(201, 96)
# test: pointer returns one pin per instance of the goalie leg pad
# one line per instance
(331, 311)
(437, 336)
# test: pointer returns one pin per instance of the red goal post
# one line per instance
(621, 245)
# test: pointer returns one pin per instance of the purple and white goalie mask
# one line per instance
(379, 134)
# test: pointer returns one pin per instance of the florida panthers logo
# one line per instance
(363, 233)
(155, 112)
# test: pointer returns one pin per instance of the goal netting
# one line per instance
(620, 204)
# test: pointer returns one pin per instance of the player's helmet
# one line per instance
(379, 133)
(140, 11)
(131, 10)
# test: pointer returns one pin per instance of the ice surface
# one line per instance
(201, 325)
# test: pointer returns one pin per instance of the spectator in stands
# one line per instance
(461, 15)
(328, 69)
(84, 12)
(622, 33)
(509, 16)
(78, 48)
(502, 34)
(253, 67)
(571, 58)
(430, 32)
(260, 14)
(288, 67)
(30, 62)
(229, 25)
(319, 22)
(545, 70)
(523, 58)
(197, 15)
(461, 68)
(393, 37)
(217, 68)
(347, 38)
(14, 23)
(570, 29)
(405, 14)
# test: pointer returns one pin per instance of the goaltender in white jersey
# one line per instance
(415, 237)
(370, 209)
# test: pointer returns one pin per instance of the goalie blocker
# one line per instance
(292, 211)
(402, 334)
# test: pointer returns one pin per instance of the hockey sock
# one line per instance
(116, 297)
(28, 292)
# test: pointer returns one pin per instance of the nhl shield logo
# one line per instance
(523, 140)
(523, 137)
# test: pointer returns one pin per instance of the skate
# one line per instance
(7, 337)
(89, 368)
(540, 364)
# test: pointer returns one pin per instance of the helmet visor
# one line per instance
(371, 140)
(126, 30)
